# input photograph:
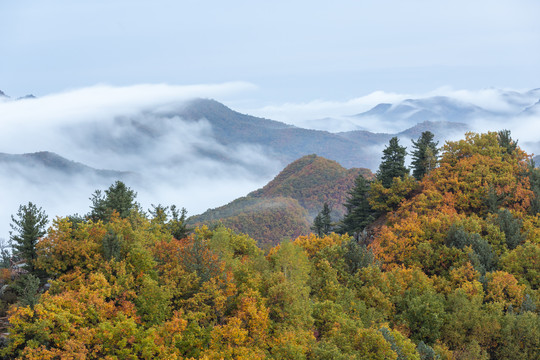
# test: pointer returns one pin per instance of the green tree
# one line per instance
(511, 227)
(27, 227)
(171, 218)
(159, 214)
(482, 256)
(322, 225)
(359, 213)
(27, 287)
(506, 141)
(357, 256)
(426, 352)
(177, 224)
(423, 313)
(118, 197)
(384, 199)
(424, 155)
(519, 337)
(393, 163)
(111, 248)
(5, 253)
(493, 200)
(534, 179)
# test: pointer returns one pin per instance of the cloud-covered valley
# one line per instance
(495, 109)
(147, 136)
(163, 157)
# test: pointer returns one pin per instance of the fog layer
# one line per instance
(165, 159)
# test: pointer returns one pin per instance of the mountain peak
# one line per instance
(221, 116)
(205, 105)
(438, 128)
(310, 164)
(312, 180)
(29, 96)
(295, 196)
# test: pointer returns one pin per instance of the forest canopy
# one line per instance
(444, 264)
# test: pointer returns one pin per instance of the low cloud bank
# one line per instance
(131, 129)
(516, 110)
(173, 161)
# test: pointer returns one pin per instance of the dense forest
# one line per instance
(440, 264)
(285, 207)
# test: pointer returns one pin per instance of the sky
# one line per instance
(291, 51)
(90, 62)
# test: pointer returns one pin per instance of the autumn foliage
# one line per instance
(452, 274)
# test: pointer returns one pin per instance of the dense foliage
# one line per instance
(452, 274)
(285, 207)
(268, 221)
(313, 181)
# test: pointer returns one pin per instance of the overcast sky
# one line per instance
(292, 51)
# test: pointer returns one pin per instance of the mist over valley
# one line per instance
(175, 145)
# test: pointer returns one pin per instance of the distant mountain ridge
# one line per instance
(463, 107)
(436, 108)
(287, 143)
(279, 141)
(49, 161)
(29, 96)
(441, 129)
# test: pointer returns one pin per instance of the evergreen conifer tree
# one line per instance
(393, 163)
(118, 197)
(27, 227)
(359, 213)
(534, 179)
(424, 155)
(178, 223)
(322, 225)
(506, 141)
(511, 227)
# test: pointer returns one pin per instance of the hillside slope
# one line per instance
(286, 206)
(285, 142)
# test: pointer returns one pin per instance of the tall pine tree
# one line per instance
(392, 163)
(424, 155)
(27, 227)
(506, 141)
(322, 225)
(359, 213)
(118, 197)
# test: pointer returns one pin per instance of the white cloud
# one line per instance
(128, 129)
(301, 114)
(335, 116)
(34, 118)
(135, 129)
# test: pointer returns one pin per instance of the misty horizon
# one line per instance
(181, 162)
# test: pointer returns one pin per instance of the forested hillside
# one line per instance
(285, 207)
(443, 264)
